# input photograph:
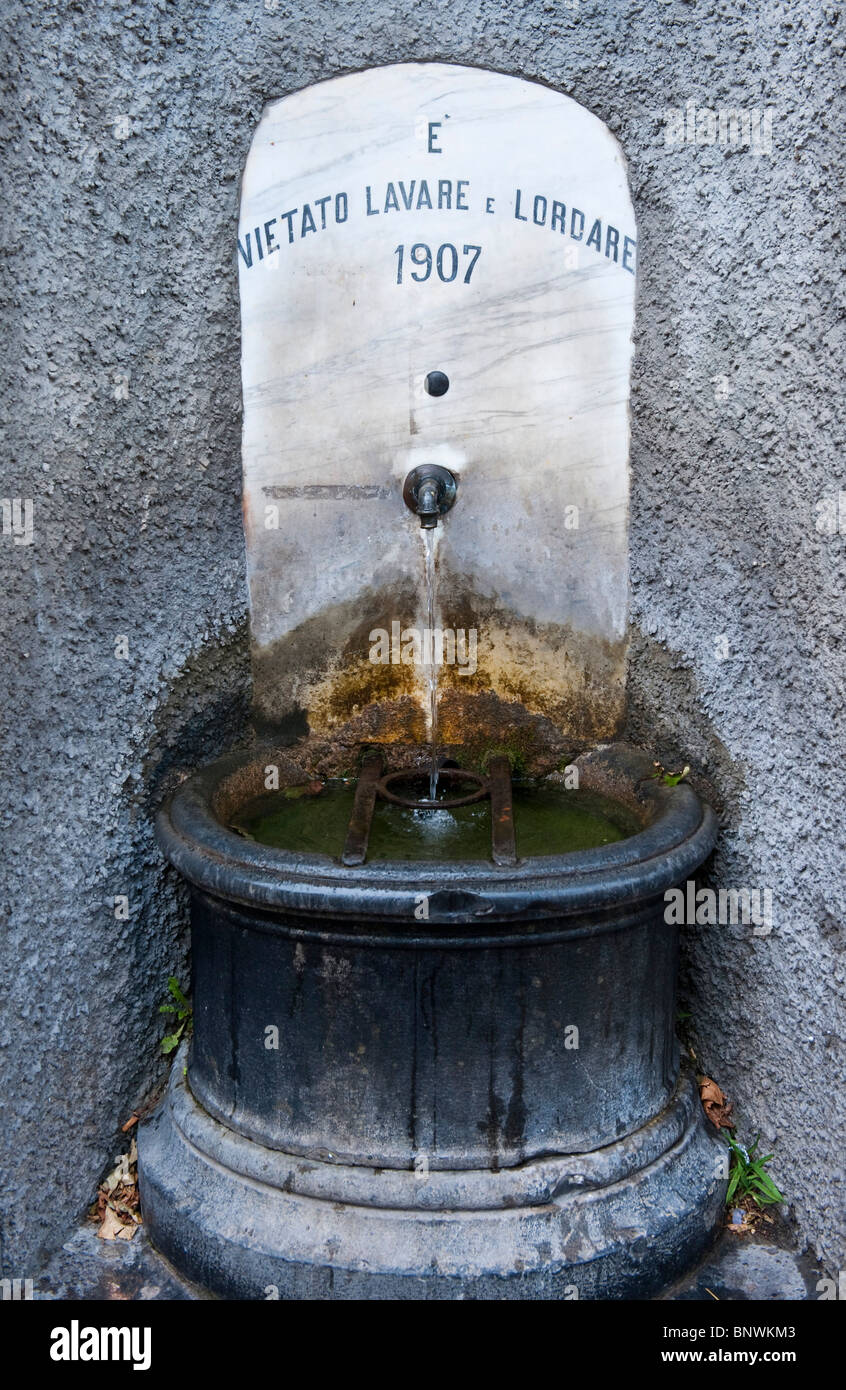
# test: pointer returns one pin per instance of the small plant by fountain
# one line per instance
(433, 1048)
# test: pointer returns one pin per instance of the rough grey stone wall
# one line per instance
(126, 128)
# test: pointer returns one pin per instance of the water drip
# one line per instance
(431, 665)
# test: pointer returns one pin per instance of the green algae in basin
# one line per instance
(547, 820)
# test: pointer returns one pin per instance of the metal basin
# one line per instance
(531, 1013)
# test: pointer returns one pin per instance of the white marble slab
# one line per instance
(531, 319)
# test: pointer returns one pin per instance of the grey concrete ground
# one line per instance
(756, 1270)
(126, 127)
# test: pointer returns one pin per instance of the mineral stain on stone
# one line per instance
(533, 687)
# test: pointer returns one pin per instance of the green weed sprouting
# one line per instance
(183, 1011)
(670, 779)
(748, 1176)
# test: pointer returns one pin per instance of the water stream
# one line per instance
(430, 655)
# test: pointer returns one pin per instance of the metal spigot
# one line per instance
(429, 491)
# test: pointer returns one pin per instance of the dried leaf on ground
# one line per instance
(111, 1226)
(116, 1208)
(716, 1106)
(753, 1218)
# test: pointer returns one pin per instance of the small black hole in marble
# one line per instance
(437, 383)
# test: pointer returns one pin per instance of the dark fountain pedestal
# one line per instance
(483, 1104)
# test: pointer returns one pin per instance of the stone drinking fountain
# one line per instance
(434, 991)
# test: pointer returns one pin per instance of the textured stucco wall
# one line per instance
(126, 128)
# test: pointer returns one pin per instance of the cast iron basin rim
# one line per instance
(680, 835)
